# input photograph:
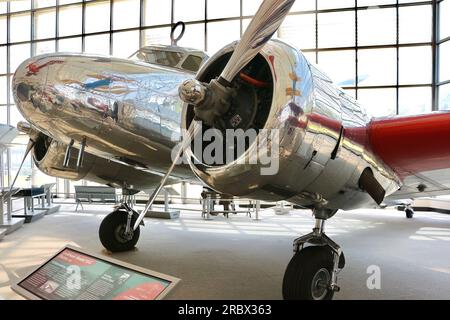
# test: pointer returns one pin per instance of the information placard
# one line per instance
(74, 274)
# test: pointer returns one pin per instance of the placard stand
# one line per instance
(75, 274)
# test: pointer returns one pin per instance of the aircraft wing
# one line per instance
(417, 148)
(434, 187)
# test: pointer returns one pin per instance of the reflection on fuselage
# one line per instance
(125, 109)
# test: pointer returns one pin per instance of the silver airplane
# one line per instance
(116, 121)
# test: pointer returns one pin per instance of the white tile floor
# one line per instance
(239, 258)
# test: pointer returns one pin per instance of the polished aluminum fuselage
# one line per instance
(130, 111)
(126, 110)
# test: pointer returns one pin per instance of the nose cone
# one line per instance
(28, 83)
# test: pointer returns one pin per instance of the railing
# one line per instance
(174, 201)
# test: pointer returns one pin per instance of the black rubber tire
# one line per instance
(341, 263)
(409, 213)
(108, 232)
(302, 268)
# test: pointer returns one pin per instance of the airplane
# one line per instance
(118, 121)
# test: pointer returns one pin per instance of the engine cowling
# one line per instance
(48, 155)
(321, 148)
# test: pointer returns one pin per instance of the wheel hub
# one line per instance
(121, 235)
(320, 283)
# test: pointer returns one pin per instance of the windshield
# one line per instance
(161, 57)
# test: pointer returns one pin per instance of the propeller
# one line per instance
(30, 146)
(264, 24)
(24, 127)
(211, 101)
(191, 132)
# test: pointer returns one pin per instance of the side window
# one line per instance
(192, 63)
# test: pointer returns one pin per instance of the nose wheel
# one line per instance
(113, 230)
(312, 272)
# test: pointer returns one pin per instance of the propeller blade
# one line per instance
(30, 146)
(212, 100)
(191, 132)
(264, 24)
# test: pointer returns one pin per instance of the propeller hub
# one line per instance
(210, 101)
(192, 91)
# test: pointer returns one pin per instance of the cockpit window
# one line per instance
(166, 58)
(171, 56)
(192, 63)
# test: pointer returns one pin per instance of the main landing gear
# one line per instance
(116, 230)
(312, 272)
(409, 211)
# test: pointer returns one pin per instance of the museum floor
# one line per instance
(239, 258)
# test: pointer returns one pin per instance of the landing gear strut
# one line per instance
(312, 272)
